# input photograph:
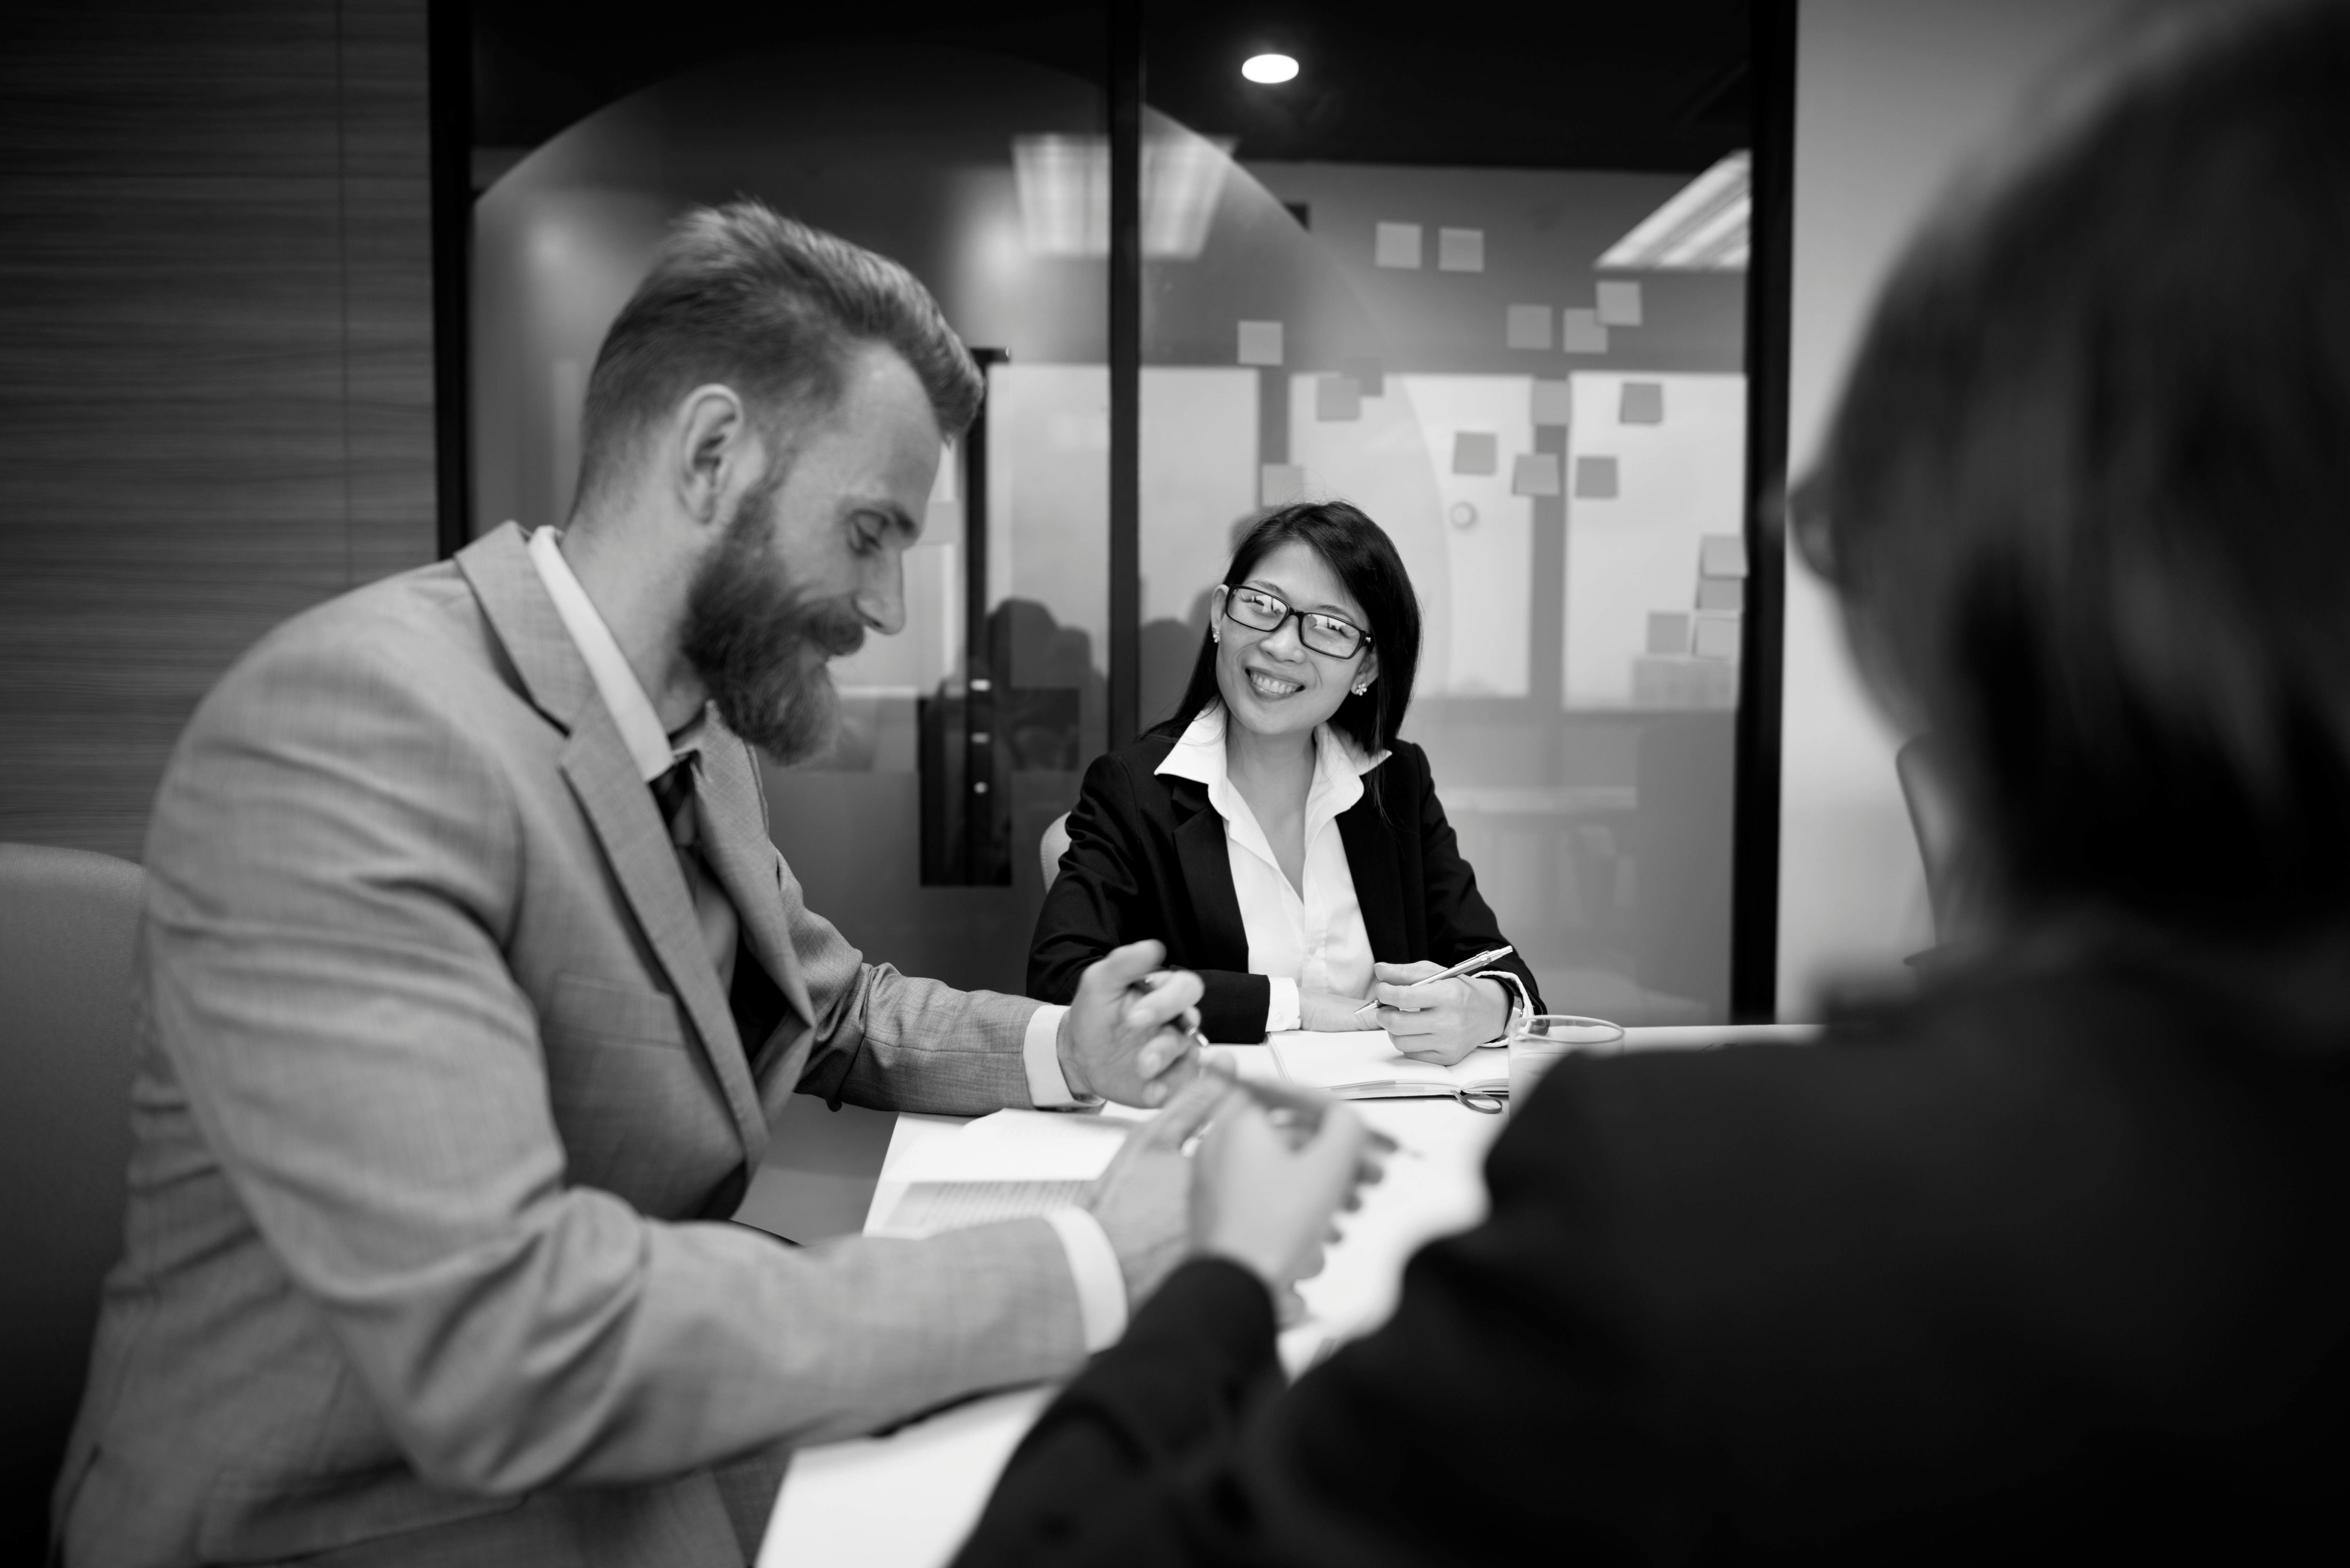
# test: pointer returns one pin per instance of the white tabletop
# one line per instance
(847, 1503)
(843, 1503)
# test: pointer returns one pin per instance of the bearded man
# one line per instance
(472, 982)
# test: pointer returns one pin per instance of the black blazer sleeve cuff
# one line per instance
(1191, 1364)
(1234, 1005)
(1182, 1371)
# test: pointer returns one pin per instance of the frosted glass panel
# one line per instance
(1551, 488)
(1678, 480)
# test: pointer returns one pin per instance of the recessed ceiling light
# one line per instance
(1703, 227)
(1269, 68)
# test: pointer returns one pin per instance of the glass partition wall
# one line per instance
(1557, 447)
(1533, 378)
(965, 735)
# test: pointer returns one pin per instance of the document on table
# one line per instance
(903, 1501)
(1363, 1064)
(1007, 1165)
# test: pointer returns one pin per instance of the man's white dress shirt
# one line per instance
(1093, 1261)
(1308, 938)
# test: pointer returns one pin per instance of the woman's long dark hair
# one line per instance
(1365, 559)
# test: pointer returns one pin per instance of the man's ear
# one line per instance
(713, 456)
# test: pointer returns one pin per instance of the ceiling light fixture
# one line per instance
(1269, 68)
(1702, 228)
(1063, 184)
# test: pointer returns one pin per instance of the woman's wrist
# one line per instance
(1504, 1001)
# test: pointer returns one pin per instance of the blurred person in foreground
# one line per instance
(2051, 1259)
(472, 982)
(1276, 833)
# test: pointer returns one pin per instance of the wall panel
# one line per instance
(215, 364)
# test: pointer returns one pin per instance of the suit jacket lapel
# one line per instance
(1379, 881)
(739, 850)
(1206, 859)
(618, 804)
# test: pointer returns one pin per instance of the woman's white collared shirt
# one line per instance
(1309, 939)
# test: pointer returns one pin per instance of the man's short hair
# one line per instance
(743, 295)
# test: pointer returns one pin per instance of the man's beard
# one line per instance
(748, 634)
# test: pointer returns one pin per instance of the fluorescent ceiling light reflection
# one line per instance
(1063, 187)
(1269, 68)
(1703, 227)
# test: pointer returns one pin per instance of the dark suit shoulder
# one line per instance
(2073, 1156)
(1142, 758)
(1405, 773)
(1129, 775)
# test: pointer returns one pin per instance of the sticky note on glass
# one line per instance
(1529, 327)
(1643, 403)
(1721, 555)
(1579, 332)
(1461, 250)
(1396, 246)
(1669, 631)
(1336, 397)
(1726, 594)
(1619, 305)
(1553, 403)
(1595, 478)
(1535, 474)
(1278, 484)
(1476, 452)
(1716, 637)
(1259, 342)
(1369, 374)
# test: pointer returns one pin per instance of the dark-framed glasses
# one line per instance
(1329, 634)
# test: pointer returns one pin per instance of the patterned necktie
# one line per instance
(713, 911)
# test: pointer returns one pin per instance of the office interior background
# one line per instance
(300, 293)
(240, 379)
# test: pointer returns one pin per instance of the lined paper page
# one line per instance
(932, 1206)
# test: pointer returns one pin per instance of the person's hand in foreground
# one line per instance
(1265, 1196)
(1444, 1021)
(1143, 1201)
(1128, 1035)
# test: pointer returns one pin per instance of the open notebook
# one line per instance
(1363, 1064)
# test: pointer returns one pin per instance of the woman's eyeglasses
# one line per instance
(1329, 634)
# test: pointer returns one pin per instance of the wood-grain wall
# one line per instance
(215, 363)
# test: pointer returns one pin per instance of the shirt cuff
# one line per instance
(1522, 1010)
(1093, 1269)
(1040, 1052)
(1281, 1011)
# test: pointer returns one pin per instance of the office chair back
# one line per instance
(1051, 846)
(1934, 818)
(68, 922)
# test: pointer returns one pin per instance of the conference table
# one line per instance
(846, 1504)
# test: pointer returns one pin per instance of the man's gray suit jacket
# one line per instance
(436, 1083)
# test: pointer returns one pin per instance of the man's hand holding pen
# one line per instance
(1132, 1034)
(1276, 1164)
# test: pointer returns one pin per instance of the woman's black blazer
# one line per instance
(1147, 858)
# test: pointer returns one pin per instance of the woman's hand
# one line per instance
(1265, 1196)
(1323, 1009)
(1443, 1021)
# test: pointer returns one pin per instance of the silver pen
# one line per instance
(1455, 972)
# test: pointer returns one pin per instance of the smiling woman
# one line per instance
(1275, 834)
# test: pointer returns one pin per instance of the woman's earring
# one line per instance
(1215, 637)
(1366, 686)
